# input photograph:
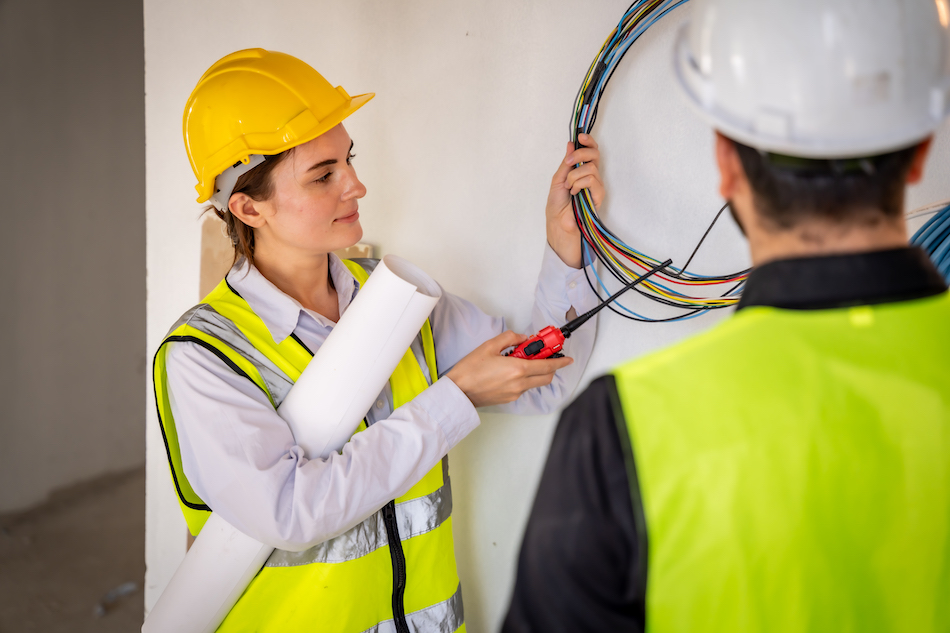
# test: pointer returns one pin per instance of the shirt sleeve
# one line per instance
(577, 570)
(241, 458)
(458, 327)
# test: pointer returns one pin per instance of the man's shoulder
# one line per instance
(696, 347)
(759, 336)
(597, 395)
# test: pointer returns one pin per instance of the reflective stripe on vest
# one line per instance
(414, 517)
(793, 471)
(346, 583)
(444, 617)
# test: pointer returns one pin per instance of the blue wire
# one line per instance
(614, 56)
(930, 238)
(927, 225)
(934, 238)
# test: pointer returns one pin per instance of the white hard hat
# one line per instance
(819, 78)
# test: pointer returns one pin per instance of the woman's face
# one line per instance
(314, 206)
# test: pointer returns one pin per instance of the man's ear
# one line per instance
(730, 167)
(916, 171)
(242, 207)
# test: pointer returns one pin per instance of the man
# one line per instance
(788, 470)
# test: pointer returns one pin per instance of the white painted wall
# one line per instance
(72, 293)
(470, 120)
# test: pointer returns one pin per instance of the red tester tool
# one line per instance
(548, 342)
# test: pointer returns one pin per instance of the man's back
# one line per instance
(793, 468)
(788, 470)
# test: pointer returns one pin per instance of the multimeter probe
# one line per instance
(549, 341)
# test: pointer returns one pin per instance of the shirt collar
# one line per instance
(281, 312)
(837, 281)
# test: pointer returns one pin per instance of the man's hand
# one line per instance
(487, 377)
(563, 234)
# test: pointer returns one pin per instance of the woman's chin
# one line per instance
(358, 231)
(353, 234)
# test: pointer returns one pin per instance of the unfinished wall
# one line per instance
(72, 289)
(457, 151)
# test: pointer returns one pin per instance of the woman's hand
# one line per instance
(563, 234)
(487, 377)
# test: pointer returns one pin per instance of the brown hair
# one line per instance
(258, 185)
(789, 190)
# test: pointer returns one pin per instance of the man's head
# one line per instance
(823, 110)
(791, 206)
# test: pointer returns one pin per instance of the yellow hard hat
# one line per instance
(257, 102)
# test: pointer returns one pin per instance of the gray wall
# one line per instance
(72, 288)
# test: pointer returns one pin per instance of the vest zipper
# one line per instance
(399, 567)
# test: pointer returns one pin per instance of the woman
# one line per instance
(364, 537)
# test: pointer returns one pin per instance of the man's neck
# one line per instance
(815, 238)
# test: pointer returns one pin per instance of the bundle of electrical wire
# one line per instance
(678, 288)
(934, 237)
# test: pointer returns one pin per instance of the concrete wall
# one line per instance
(457, 150)
(72, 168)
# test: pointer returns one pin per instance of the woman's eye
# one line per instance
(349, 159)
(324, 178)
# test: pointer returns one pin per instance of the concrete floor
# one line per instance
(58, 561)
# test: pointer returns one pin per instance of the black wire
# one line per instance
(701, 240)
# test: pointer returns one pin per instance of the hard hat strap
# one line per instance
(818, 166)
(224, 184)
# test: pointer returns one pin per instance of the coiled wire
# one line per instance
(677, 288)
(934, 237)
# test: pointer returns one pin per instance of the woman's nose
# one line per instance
(354, 187)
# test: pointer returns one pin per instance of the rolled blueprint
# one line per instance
(345, 377)
(215, 572)
(323, 408)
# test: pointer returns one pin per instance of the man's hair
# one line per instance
(788, 190)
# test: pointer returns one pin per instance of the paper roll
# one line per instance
(217, 569)
(343, 380)
(323, 408)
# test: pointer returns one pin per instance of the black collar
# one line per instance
(837, 281)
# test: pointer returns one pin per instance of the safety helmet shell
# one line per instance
(257, 102)
(818, 78)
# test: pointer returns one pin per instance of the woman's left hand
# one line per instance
(563, 234)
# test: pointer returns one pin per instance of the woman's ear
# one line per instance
(242, 206)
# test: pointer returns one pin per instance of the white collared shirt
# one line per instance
(240, 456)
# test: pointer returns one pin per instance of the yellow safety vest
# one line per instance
(396, 570)
(792, 468)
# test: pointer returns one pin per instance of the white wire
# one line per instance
(927, 209)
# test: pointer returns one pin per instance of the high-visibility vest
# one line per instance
(358, 581)
(792, 471)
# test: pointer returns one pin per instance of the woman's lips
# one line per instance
(349, 219)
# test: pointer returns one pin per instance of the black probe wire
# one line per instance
(575, 323)
(679, 275)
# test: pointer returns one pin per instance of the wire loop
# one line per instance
(676, 288)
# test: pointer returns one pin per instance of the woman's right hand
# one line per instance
(487, 377)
